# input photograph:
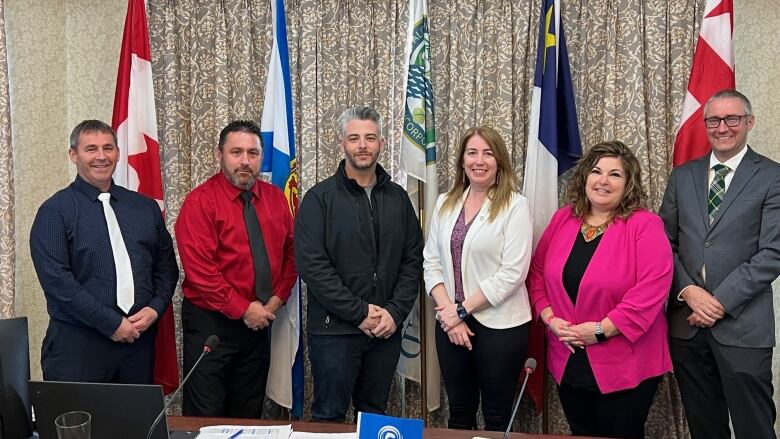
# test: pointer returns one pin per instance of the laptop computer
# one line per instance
(119, 411)
(15, 419)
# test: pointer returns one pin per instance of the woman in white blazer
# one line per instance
(476, 259)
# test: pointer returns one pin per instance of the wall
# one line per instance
(757, 64)
(63, 58)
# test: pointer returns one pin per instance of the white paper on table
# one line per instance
(245, 432)
(307, 435)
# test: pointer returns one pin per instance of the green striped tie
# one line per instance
(717, 189)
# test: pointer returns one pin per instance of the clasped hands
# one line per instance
(259, 316)
(133, 326)
(706, 308)
(572, 336)
(457, 330)
(378, 323)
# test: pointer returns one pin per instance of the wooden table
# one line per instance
(194, 423)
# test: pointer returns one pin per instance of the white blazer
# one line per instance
(496, 257)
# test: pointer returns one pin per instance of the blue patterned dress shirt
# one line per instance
(71, 251)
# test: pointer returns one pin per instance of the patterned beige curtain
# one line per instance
(7, 239)
(630, 63)
(351, 53)
(630, 60)
(210, 61)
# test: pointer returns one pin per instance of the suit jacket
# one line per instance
(627, 280)
(740, 249)
(495, 258)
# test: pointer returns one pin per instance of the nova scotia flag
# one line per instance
(285, 377)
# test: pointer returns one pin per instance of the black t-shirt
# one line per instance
(578, 372)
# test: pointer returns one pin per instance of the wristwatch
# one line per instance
(462, 313)
(600, 333)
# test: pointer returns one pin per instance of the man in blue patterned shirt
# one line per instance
(90, 338)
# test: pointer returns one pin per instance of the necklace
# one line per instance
(591, 232)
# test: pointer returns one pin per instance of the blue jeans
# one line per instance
(351, 366)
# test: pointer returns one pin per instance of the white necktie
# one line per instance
(125, 291)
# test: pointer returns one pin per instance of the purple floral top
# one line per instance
(456, 248)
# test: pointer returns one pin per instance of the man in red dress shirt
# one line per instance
(235, 239)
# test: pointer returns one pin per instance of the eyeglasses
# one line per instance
(731, 121)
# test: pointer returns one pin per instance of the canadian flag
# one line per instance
(135, 123)
(711, 72)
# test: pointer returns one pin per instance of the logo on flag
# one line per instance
(418, 160)
(419, 133)
(291, 187)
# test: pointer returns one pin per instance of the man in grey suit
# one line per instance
(722, 216)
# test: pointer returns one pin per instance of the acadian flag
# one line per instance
(285, 376)
(418, 159)
(138, 169)
(553, 146)
(712, 71)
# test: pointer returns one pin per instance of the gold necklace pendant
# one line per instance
(590, 232)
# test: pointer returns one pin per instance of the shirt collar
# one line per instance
(91, 191)
(234, 192)
(732, 163)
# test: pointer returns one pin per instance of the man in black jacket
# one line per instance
(358, 247)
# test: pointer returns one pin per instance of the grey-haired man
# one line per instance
(358, 246)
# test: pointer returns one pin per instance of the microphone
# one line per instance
(528, 367)
(211, 343)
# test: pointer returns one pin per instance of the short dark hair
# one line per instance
(634, 197)
(91, 126)
(730, 94)
(240, 126)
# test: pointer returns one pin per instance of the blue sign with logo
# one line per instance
(371, 426)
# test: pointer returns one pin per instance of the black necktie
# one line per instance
(257, 245)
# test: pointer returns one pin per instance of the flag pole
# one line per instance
(423, 318)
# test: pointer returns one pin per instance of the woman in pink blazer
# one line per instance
(599, 280)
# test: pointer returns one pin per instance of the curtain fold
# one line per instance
(7, 232)
(629, 58)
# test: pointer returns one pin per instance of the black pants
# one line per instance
(490, 371)
(617, 414)
(717, 380)
(75, 353)
(230, 381)
(351, 366)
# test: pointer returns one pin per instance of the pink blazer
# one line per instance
(627, 280)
